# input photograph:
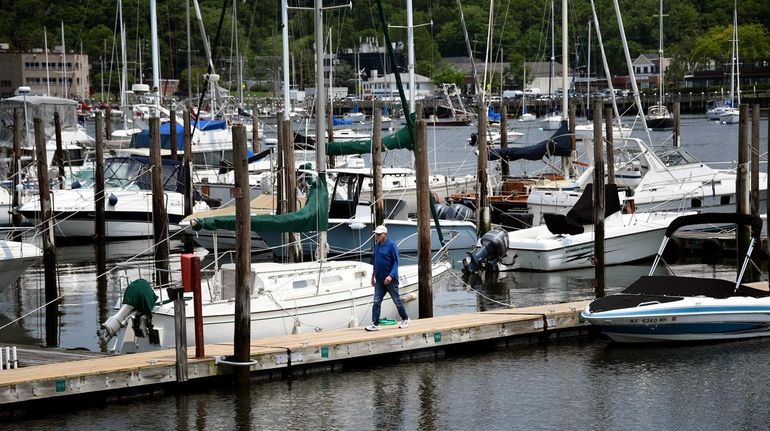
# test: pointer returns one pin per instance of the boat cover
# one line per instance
(402, 139)
(314, 216)
(667, 288)
(559, 144)
(142, 139)
(582, 213)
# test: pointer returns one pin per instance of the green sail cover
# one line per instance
(402, 139)
(314, 216)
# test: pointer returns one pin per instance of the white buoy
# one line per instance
(15, 361)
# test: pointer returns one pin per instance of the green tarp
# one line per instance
(314, 216)
(402, 139)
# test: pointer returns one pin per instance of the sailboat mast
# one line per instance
(565, 61)
(660, 54)
(736, 67)
(155, 51)
(553, 55)
(47, 73)
(410, 53)
(64, 63)
(320, 111)
(285, 46)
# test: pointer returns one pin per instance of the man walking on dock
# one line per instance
(385, 277)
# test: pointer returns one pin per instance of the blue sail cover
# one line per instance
(492, 115)
(559, 144)
(336, 121)
(142, 139)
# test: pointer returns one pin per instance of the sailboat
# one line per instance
(658, 117)
(285, 298)
(731, 113)
(526, 116)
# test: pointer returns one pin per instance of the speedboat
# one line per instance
(285, 299)
(674, 308)
(567, 241)
(670, 180)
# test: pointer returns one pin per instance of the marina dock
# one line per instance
(131, 375)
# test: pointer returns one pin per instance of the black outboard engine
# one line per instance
(494, 245)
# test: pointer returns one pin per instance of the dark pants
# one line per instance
(379, 294)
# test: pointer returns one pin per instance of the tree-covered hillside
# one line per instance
(696, 32)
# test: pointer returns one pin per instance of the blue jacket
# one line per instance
(385, 261)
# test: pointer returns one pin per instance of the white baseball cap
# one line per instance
(380, 229)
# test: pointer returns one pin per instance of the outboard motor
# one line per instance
(494, 245)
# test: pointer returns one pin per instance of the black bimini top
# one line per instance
(656, 288)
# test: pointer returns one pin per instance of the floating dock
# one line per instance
(115, 376)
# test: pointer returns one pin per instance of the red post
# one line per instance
(191, 282)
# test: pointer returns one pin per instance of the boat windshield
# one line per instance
(133, 174)
(678, 157)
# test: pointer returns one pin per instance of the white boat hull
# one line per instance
(293, 303)
(628, 238)
(15, 259)
(689, 319)
(129, 217)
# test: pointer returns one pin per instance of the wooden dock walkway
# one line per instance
(276, 357)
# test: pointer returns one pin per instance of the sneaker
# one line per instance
(404, 323)
(372, 328)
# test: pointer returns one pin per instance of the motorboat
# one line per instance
(587, 130)
(128, 196)
(285, 299)
(659, 118)
(671, 180)
(15, 258)
(676, 308)
(567, 242)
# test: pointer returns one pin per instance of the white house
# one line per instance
(647, 68)
(539, 77)
(384, 87)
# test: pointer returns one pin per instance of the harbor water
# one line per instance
(591, 384)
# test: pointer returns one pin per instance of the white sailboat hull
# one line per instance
(285, 300)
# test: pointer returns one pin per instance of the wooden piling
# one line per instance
(172, 133)
(100, 216)
(610, 149)
(423, 220)
(379, 204)
(754, 189)
(108, 123)
(599, 281)
(189, 200)
(742, 180)
(505, 169)
(677, 124)
(484, 220)
(330, 132)
(295, 247)
(49, 245)
(16, 171)
(255, 145)
(159, 215)
(240, 191)
(58, 157)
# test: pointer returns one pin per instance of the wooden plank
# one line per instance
(134, 370)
